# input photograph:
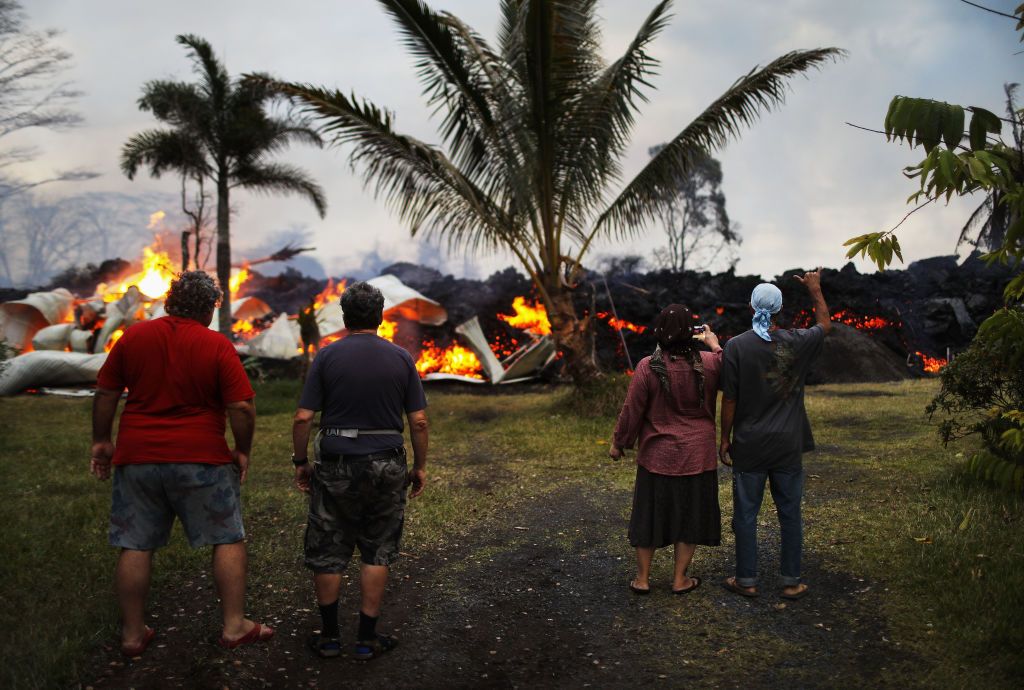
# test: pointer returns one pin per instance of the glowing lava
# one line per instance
(932, 365)
(620, 324)
(532, 318)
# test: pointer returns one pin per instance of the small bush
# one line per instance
(601, 397)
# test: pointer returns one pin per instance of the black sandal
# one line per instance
(371, 649)
(324, 647)
(687, 590)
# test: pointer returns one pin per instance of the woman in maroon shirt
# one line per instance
(670, 413)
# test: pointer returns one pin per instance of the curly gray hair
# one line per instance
(193, 295)
(363, 306)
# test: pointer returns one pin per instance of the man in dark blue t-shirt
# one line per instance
(765, 429)
(362, 386)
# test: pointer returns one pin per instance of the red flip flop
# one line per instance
(137, 650)
(258, 633)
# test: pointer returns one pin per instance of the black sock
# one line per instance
(329, 620)
(367, 627)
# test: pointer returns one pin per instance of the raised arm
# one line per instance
(812, 281)
(419, 431)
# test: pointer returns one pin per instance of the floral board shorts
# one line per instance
(356, 503)
(146, 499)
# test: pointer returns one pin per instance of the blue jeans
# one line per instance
(787, 487)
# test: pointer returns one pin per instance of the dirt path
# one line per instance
(541, 600)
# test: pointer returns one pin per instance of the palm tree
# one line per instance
(534, 133)
(220, 131)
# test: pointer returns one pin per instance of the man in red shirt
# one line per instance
(171, 458)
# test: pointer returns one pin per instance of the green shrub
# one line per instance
(983, 394)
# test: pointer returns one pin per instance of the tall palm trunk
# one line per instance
(224, 252)
(573, 337)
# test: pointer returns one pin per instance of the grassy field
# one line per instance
(886, 504)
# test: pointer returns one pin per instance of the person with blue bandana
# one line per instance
(765, 430)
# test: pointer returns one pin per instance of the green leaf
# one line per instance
(947, 166)
(896, 248)
(928, 130)
(953, 126)
(983, 122)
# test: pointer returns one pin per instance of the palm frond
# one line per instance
(215, 79)
(452, 84)
(981, 216)
(418, 181)
(553, 48)
(179, 104)
(271, 178)
(753, 94)
(163, 150)
(605, 118)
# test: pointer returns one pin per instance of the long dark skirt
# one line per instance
(667, 510)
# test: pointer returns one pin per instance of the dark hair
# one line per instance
(193, 295)
(362, 306)
(673, 330)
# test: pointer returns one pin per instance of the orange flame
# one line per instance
(154, 280)
(238, 280)
(114, 337)
(329, 294)
(620, 324)
(453, 359)
(387, 330)
(932, 365)
(244, 328)
(532, 318)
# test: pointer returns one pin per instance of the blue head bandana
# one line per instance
(766, 299)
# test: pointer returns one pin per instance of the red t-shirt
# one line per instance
(180, 375)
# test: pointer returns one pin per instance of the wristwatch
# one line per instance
(299, 462)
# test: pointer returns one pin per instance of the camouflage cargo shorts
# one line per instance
(147, 497)
(356, 503)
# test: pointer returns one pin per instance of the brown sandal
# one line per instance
(730, 584)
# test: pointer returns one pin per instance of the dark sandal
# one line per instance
(371, 649)
(799, 595)
(638, 590)
(687, 590)
(730, 585)
(140, 648)
(324, 647)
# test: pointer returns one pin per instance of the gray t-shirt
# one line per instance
(363, 382)
(766, 379)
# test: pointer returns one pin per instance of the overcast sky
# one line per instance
(799, 182)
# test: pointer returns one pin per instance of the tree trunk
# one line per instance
(184, 250)
(224, 252)
(573, 337)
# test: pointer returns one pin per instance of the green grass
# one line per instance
(887, 503)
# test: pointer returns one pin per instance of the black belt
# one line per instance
(380, 455)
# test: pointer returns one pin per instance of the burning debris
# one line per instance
(893, 324)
